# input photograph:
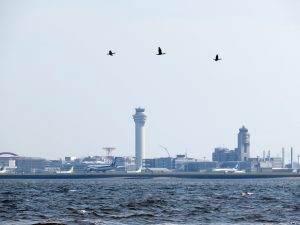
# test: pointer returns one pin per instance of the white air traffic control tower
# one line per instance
(139, 119)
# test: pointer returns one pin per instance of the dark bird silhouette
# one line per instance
(111, 53)
(217, 58)
(160, 52)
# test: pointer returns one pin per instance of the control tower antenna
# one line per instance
(166, 150)
(108, 150)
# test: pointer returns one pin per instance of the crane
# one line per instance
(165, 150)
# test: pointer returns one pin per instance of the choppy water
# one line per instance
(150, 201)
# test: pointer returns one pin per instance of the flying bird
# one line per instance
(111, 53)
(160, 52)
(217, 58)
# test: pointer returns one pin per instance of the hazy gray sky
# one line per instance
(60, 94)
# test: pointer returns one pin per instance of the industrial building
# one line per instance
(201, 166)
(30, 165)
(14, 163)
(269, 163)
(165, 162)
(51, 166)
(180, 164)
(8, 161)
(224, 154)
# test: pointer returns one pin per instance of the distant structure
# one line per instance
(108, 150)
(243, 149)
(139, 119)
(14, 163)
(283, 154)
(292, 157)
(8, 153)
(224, 154)
(241, 153)
(269, 155)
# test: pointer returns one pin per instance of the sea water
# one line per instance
(150, 201)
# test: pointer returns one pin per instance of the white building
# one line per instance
(139, 119)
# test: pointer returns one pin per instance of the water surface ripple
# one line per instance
(150, 201)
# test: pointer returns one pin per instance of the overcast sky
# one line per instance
(60, 94)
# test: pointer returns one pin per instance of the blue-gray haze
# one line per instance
(60, 94)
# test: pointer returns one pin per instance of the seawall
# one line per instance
(150, 175)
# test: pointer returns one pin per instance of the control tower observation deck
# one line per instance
(139, 119)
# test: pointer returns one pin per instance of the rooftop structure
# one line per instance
(224, 154)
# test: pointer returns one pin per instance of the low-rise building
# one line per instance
(164, 162)
(224, 155)
(30, 165)
(204, 166)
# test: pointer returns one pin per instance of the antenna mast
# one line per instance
(108, 150)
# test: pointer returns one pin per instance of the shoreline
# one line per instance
(194, 175)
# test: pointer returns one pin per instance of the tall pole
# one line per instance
(108, 150)
(257, 165)
(298, 163)
(291, 157)
(283, 163)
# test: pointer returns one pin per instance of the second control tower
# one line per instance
(243, 148)
(139, 119)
